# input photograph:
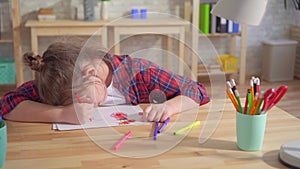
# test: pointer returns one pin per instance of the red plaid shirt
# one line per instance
(134, 78)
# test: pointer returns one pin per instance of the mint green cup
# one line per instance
(3, 143)
(250, 131)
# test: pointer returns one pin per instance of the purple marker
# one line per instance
(163, 125)
(155, 131)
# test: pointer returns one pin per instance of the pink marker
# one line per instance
(119, 144)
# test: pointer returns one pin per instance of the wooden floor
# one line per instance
(290, 102)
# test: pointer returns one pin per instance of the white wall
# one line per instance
(275, 25)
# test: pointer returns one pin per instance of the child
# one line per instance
(98, 79)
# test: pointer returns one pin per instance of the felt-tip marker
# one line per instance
(163, 125)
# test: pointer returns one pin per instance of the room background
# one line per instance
(275, 25)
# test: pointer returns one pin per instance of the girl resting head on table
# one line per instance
(99, 79)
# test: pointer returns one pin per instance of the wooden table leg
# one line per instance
(104, 36)
(170, 52)
(181, 51)
(117, 41)
(34, 45)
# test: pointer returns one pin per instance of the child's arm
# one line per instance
(181, 93)
(160, 112)
(24, 104)
(30, 111)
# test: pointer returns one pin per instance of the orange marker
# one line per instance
(255, 104)
(232, 98)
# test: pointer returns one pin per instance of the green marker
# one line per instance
(237, 95)
(196, 123)
(249, 102)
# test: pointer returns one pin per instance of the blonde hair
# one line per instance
(55, 68)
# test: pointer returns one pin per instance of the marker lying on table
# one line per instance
(196, 123)
(119, 144)
(155, 131)
(163, 125)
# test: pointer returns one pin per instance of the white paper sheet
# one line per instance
(108, 116)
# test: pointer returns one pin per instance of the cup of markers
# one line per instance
(250, 131)
(251, 116)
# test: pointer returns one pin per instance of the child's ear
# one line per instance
(89, 71)
(92, 72)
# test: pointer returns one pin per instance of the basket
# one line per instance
(7, 71)
(229, 63)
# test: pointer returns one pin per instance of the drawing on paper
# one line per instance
(122, 118)
(109, 117)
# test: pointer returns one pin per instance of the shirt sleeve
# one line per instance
(173, 85)
(10, 100)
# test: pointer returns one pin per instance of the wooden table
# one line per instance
(162, 26)
(34, 145)
(66, 27)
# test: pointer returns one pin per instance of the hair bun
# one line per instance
(35, 62)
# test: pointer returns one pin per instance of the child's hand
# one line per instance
(78, 113)
(156, 112)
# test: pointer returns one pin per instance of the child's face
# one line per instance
(94, 89)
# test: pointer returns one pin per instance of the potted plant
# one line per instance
(296, 4)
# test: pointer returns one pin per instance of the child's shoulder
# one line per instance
(126, 59)
(28, 83)
(27, 86)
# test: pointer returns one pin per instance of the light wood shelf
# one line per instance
(220, 34)
(6, 40)
(206, 71)
(196, 35)
(215, 73)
